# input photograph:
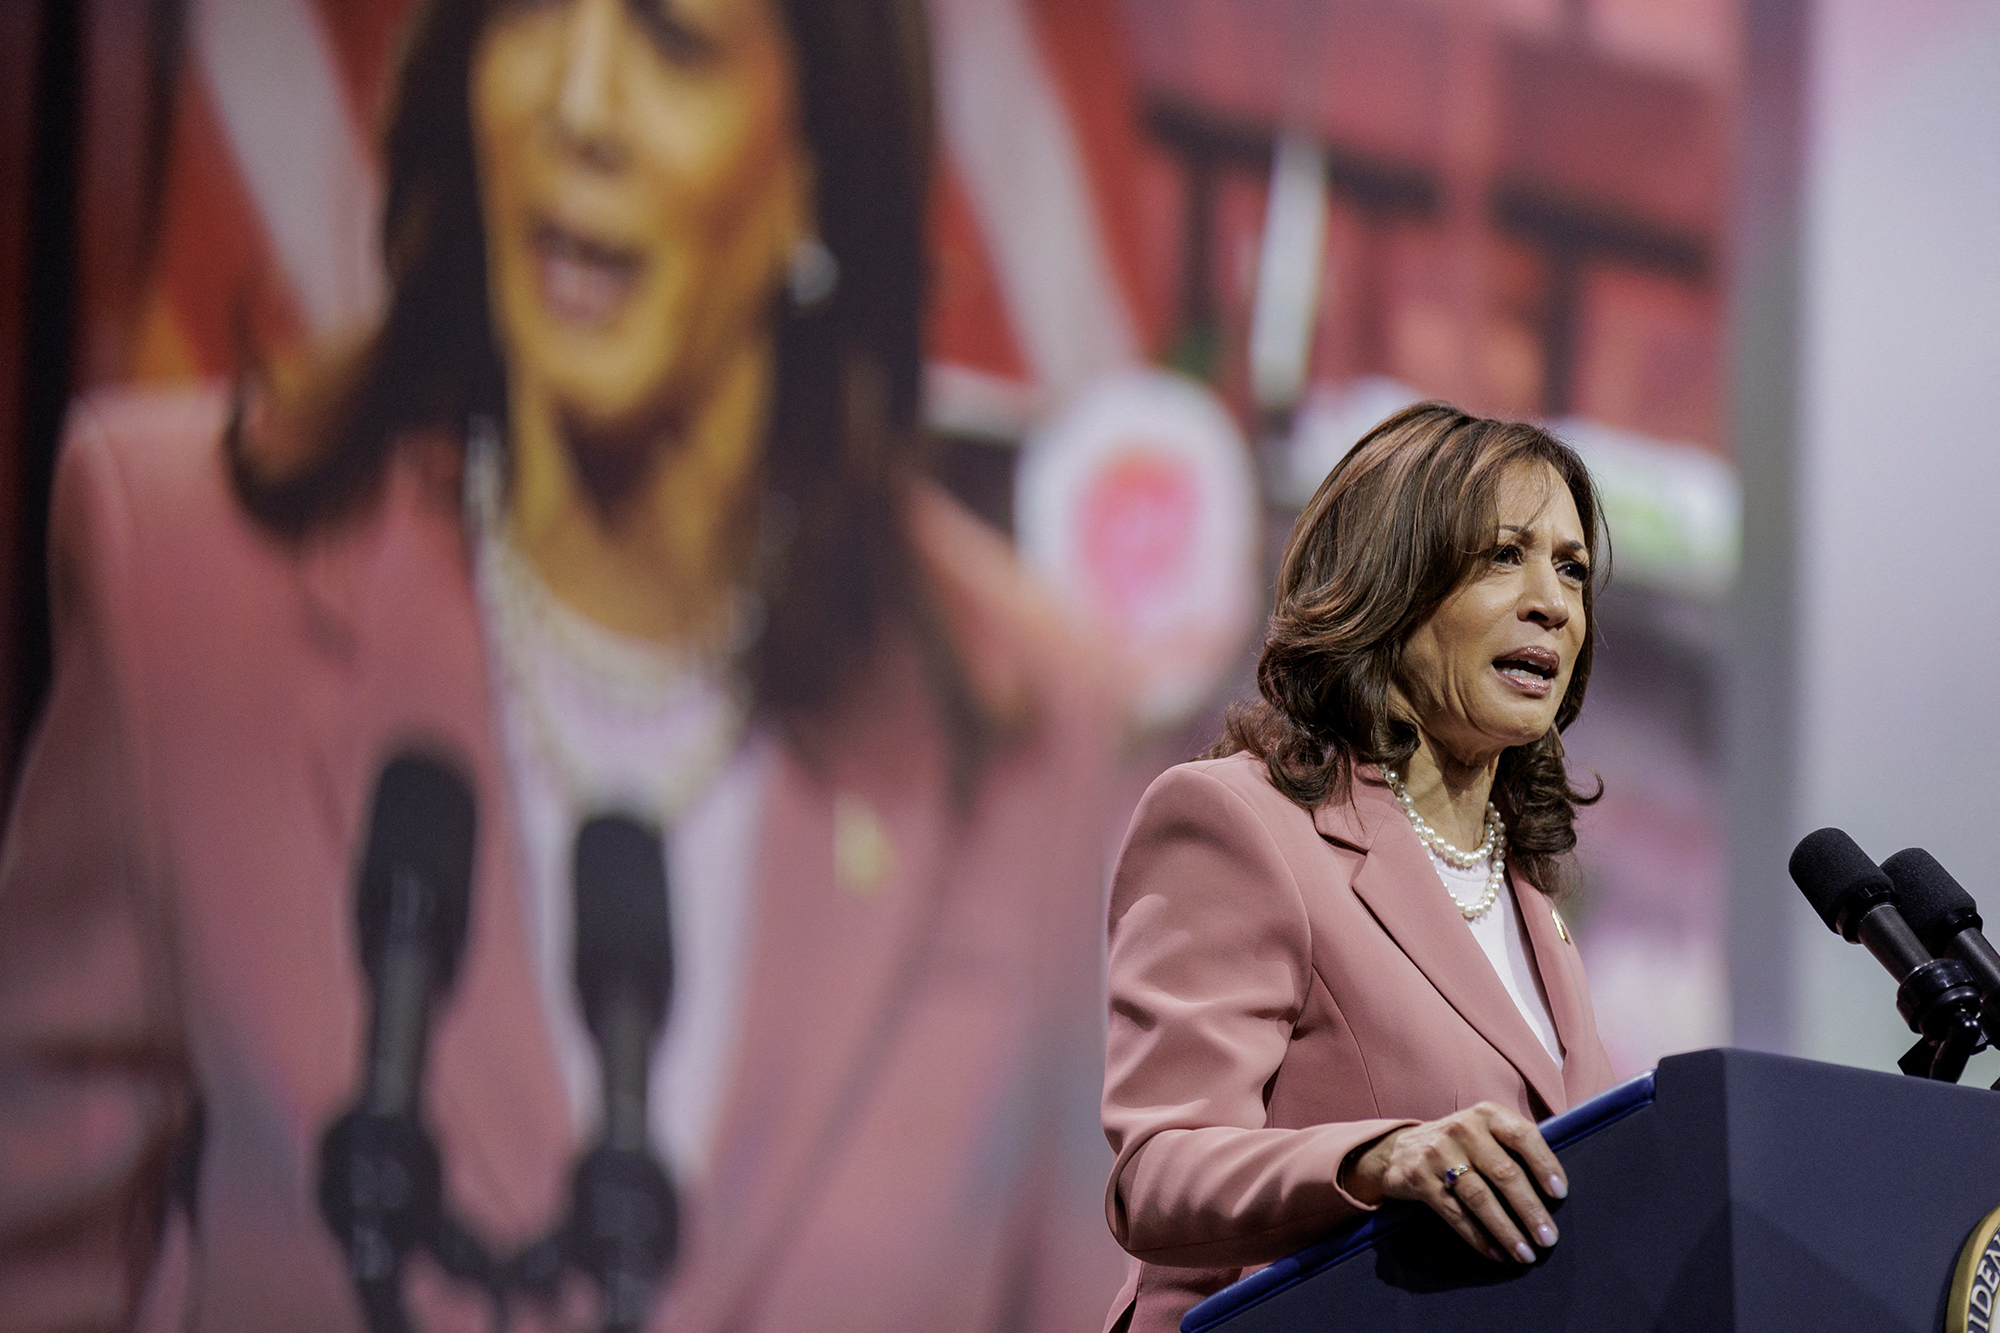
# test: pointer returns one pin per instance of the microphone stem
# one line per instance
(401, 1028)
(1891, 940)
(1976, 952)
(627, 1055)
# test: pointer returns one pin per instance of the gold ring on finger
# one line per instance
(1453, 1173)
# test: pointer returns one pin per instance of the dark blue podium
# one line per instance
(1727, 1190)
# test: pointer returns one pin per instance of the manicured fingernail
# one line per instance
(1524, 1253)
(1558, 1188)
(1546, 1234)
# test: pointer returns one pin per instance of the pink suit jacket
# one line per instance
(907, 1138)
(1285, 987)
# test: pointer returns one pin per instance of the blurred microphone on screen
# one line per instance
(623, 1226)
(380, 1185)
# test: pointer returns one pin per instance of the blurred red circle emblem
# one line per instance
(1136, 524)
(1138, 507)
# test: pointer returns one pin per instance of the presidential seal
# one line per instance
(1976, 1281)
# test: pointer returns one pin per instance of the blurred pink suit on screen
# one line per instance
(905, 1136)
(1286, 987)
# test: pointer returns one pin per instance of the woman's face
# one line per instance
(642, 182)
(1490, 667)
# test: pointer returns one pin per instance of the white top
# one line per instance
(595, 722)
(709, 888)
(1498, 930)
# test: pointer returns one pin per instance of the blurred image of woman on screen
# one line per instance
(621, 508)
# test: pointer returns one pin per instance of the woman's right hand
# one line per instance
(1496, 1204)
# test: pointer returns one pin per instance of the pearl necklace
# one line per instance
(520, 612)
(1493, 850)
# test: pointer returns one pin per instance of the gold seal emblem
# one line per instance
(1975, 1284)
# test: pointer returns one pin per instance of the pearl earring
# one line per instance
(812, 274)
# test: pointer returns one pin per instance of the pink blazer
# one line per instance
(1285, 987)
(908, 1138)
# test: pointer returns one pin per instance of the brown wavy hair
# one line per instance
(843, 439)
(1405, 519)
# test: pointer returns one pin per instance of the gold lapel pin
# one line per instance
(862, 856)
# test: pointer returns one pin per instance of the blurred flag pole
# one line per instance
(1289, 273)
(1291, 257)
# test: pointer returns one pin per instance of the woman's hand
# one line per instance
(1483, 1170)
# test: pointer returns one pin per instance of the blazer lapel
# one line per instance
(1556, 959)
(851, 873)
(1401, 887)
(390, 612)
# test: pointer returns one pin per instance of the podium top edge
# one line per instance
(1560, 1130)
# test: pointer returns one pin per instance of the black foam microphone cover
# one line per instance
(416, 873)
(1839, 879)
(624, 1215)
(381, 1187)
(1933, 902)
(624, 952)
(1936, 996)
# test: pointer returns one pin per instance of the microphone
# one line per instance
(1935, 996)
(412, 906)
(623, 1224)
(380, 1183)
(1946, 919)
(624, 962)
(624, 1220)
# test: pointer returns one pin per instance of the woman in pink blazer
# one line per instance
(1337, 971)
(621, 503)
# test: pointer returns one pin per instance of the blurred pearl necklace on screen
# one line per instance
(694, 706)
